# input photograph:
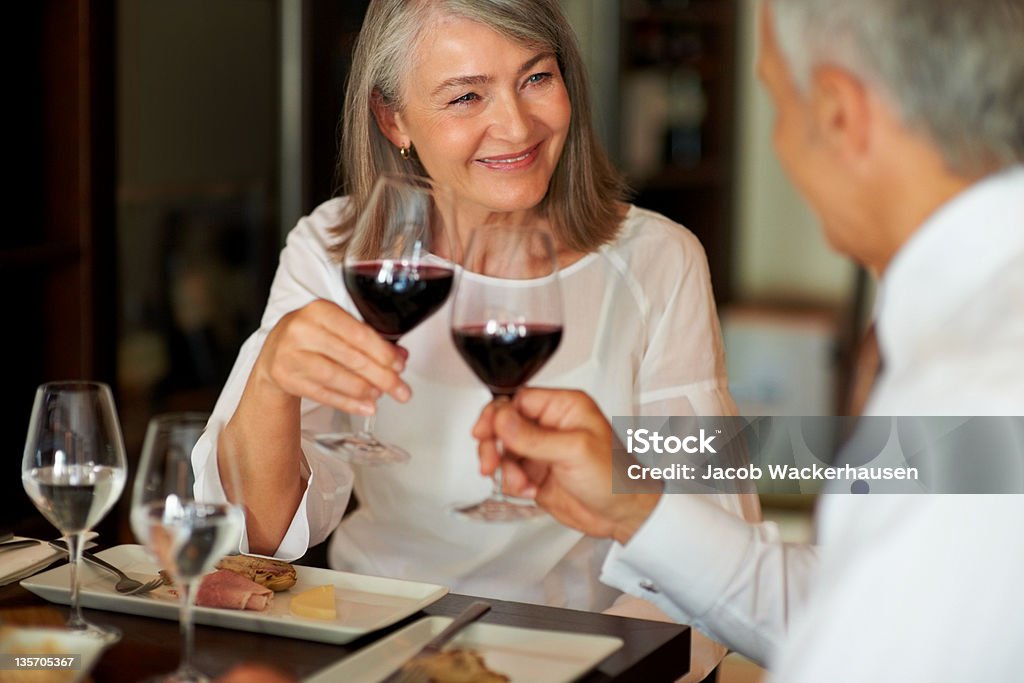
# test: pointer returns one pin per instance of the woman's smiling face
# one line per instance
(486, 116)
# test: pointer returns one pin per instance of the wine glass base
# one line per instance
(108, 635)
(182, 675)
(362, 449)
(501, 510)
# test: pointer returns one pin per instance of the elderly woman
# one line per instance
(488, 97)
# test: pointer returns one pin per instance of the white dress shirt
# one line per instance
(641, 336)
(902, 587)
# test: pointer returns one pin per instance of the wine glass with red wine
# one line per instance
(506, 322)
(398, 269)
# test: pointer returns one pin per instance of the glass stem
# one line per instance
(188, 639)
(366, 431)
(75, 541)
(497, 489)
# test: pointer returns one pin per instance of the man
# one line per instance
(902, 124)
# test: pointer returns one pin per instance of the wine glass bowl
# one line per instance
(186, 533)
(398, 270)
(506, 323)
(74, 470)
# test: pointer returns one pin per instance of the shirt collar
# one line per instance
(947, 261)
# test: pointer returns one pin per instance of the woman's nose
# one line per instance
(511, 120)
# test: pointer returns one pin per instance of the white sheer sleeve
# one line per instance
(305, 273)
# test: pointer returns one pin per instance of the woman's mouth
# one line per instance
(510, 162)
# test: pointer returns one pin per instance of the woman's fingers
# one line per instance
(323, 353)
(356, 334)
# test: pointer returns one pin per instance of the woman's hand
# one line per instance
(323, 353)
(319, 352)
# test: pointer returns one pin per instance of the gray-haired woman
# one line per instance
(488, 97)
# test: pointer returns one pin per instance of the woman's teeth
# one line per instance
(507, 161)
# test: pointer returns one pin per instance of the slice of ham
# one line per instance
(228, 590)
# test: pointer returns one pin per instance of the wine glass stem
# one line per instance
(497, 489)
(75, 542)
(188, 640)
(367, 429)
(366, 433)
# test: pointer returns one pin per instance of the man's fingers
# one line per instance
(531, 440)
(561, 409)
(484, 427)
(490, 457)
(514, 480)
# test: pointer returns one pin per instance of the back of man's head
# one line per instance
(951, 69)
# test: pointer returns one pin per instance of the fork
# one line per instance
(125, 584)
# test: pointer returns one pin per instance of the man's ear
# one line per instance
(388, 121)
(842, 112)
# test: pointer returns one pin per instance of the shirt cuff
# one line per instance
(296, 540)
(208, 486)
(683, 557)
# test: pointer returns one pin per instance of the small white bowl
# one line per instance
(53, 642)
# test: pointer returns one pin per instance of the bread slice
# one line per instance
(273, 574)
(455, 666)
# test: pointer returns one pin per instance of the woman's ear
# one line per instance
(389, 121)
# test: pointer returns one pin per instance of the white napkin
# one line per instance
(18, 564)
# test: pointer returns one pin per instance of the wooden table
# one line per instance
(652, 651)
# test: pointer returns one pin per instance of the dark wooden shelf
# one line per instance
(708, 68)
(706, 173)
(45, 256)
(669, 37)
(694, 12)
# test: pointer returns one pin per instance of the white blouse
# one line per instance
(641, 336)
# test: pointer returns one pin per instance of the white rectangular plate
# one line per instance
(364, 603)
(524, 655)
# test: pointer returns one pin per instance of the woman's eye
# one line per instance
(465, 99)
(538, 78)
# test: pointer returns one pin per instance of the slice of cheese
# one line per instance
(315, 603)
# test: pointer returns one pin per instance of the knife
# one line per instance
(465, 618)
(15, 545)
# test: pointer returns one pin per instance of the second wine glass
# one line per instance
(185, 533)
(399, 271)
(506, 323)
(74, 469)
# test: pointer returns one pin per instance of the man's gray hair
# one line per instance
(953, 69)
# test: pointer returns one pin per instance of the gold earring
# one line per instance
(404, 152)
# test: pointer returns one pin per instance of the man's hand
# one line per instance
(558, 450)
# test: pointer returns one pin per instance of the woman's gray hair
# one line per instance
(953, 69)
(583, 198)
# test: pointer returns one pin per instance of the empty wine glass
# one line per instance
(506, 322)
(398, 270)
(185, 533)
(74, 470)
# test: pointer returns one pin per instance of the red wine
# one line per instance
(393, 297)
(506, 358)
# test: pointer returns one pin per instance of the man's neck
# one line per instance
(917, 184)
